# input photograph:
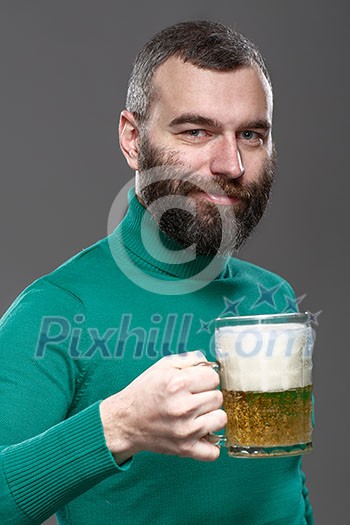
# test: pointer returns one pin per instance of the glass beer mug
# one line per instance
(265, 365)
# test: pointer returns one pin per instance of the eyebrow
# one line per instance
(257, 124)
(200, 120)
(194, 118)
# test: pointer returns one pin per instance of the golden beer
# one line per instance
(268, 419)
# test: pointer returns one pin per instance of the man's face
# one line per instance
(208, 139)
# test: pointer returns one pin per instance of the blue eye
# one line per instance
(249, 135)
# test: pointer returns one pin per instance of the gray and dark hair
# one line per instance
(205, 44)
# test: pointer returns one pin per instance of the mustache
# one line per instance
(187, 184)
(230, 189)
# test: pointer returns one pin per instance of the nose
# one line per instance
(226, 159)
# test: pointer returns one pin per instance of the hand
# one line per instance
(168, 409)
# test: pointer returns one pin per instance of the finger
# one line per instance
(181, 361)
(203, 451)
(207, 402)
(210, 422)
(200, 378)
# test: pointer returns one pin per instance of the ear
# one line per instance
(128, 138)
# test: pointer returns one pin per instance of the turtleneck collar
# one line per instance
(149, 247)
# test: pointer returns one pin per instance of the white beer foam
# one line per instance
(265, 357)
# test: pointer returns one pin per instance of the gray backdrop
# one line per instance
(64, 70)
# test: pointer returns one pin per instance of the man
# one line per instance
(105, 413)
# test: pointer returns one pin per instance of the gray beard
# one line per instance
(210, 228)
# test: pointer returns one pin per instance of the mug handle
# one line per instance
(216, 439)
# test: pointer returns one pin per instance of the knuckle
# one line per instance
(180, 408)
(176, 384)
(180, 432)
(177, 411)
(186, 448)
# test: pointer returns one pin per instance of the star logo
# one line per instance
(205, 326)
(267, 295)
(300, 298)
(232, 306)
(292, 304)
(313, 317)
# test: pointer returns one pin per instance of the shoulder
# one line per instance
(250, 271)
(266, 291)
(83, 269)
(61, 291)
(67, 284)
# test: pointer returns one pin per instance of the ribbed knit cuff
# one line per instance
(46, 472)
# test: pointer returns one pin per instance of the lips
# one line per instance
(221, 199)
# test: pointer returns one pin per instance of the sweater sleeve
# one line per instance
(46, 459)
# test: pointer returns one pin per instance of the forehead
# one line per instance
(181, 87)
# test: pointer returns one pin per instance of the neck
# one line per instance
(146, 243)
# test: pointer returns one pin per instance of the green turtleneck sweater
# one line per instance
(84, 332)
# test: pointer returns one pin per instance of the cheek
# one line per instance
(254, 165)
(194, 160)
